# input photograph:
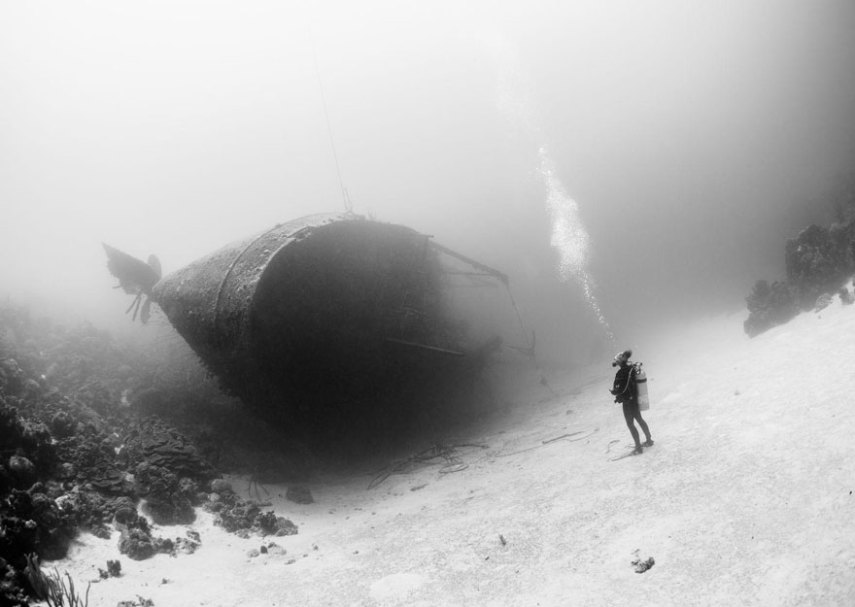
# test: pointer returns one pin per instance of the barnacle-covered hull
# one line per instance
(325, 314)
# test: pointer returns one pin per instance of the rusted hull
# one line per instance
(319, 312)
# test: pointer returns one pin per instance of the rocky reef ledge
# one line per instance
(819, 263)
(97, 437)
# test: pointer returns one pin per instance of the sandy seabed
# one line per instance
(745, 499)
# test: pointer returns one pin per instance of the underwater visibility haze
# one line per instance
(412, 235)
(623, 164)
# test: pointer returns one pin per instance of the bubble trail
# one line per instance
(569, 237)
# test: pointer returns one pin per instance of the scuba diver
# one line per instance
(625, 391)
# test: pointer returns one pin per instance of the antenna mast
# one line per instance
(348, 206)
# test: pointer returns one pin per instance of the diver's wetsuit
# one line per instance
(626, 392)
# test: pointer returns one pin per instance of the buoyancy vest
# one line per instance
(624, 387)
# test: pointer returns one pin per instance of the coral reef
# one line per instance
(114, 569)
(245, 517)
(77, 455)
(769, 305)
(818, 261)
(169, 499)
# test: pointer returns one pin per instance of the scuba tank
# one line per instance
(641, 383)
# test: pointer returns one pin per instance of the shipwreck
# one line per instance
(331, 320)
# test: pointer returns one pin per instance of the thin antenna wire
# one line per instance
(345, 196)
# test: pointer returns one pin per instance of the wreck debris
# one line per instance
(436, 453)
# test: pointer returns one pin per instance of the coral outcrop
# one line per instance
(819, 260)
(818, 263)
(76, 455)
(770, 305)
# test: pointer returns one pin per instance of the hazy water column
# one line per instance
(569, 236)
